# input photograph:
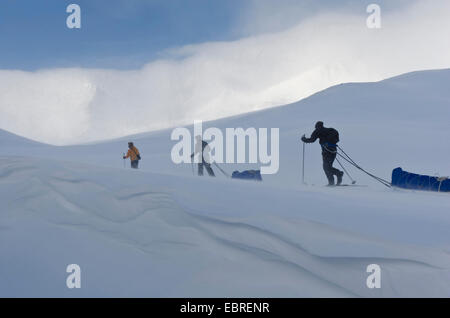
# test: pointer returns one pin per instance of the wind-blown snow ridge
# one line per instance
(144, 213)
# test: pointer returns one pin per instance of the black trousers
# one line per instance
(330, 172)
(208, 169)
(135, 164)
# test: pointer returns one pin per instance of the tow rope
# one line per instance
(347, 158)
(221, 170)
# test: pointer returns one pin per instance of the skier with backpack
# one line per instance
(134, 155)
(328, 139)
(202, 147)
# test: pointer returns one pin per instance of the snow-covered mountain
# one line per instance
(160, 231)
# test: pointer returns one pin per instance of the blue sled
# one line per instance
(247, 175)
(407, 180)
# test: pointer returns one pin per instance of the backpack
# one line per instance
(138, 156)
(332, 136)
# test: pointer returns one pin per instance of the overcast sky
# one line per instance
(142, 65)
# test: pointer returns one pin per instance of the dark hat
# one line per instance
(319, 124)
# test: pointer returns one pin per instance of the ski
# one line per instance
(349, 185)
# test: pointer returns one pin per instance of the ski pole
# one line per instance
(124, 161)
(192, 166)
(303, 165)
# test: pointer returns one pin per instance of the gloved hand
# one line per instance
(124, 157)
(303, 138)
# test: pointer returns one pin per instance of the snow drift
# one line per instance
(143, 234)
(161, 232)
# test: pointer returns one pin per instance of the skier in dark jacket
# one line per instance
(202, 147)
(328, 139)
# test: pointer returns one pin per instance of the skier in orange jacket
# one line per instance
(134, 155)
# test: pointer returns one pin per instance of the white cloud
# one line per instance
(212, 80)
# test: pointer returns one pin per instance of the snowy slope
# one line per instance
(401, 121)
(162, 232)
(144, 234)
